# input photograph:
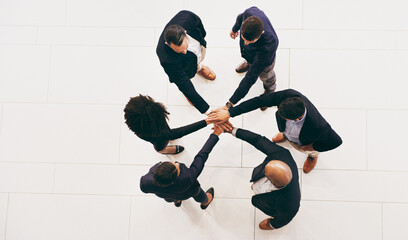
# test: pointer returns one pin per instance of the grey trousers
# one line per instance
(268, 77)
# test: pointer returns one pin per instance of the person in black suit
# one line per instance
(147, 119)
(298, 120)
(181, 49)
(258, 44)
(275, 181)
(175, 182)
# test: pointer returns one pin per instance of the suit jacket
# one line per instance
(282, 204)
(186, 185)
(175, 133)
(315, 129)
(260, 54)
(181, 67)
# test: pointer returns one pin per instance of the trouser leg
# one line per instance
(268, 77)
(201, 197)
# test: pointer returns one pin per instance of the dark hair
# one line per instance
(145, 117)
(165, 174)
(252, 28)
(174, 34)
(291, 108)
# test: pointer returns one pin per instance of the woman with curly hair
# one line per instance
(148, 120)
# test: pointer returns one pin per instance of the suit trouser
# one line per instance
(200, 197)
(268, 77)
(298, 147)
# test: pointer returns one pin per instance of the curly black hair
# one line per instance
(145, 117)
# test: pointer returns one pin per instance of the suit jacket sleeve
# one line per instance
(185, 130)
(238, 23)
(183, 82)
(283, 217)
(199, 160)
(261, 143)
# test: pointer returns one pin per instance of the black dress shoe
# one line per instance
(179, 149)
(177, 204)
(243, 67)
(210, 191)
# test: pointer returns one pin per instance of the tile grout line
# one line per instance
(7, 212)
(254, 223)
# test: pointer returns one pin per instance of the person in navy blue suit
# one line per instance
(258, 44)
(175, 181)
(181, 49)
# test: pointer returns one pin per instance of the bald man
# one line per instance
(275, 181)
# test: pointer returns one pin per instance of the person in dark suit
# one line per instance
(175, 182)
(298, 121)
(258, 44)
(148, 120)
(275, 181)
(181, 49)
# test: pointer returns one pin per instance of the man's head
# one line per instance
(166, 174)
(176, 37)
(292, 108)
(278, 173)
(251, 30)
(145, 117)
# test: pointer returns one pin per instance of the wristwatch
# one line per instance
(229, 105)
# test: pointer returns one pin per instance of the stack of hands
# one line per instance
(219, 117)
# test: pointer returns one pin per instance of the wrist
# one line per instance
(229, 105)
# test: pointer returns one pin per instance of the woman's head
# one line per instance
(145, 117)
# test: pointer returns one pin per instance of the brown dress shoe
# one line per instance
(265, 224)
(207, 73)
(242, 67)
(278, 138)
(309, 164)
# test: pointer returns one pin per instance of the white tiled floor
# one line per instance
(70, 168)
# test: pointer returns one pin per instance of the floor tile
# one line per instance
(44, 216)
(368, 186)
(331, 39)
(60, 133)
(213, 223)
(363, 15)
(18, 35)
(386, 149)
(3, 214)
(103, 179)
(96, 36)
(321, 220)
(109, 75)
(26, 177)
(402, 40)
(30, 85)
(41, 12)
(394, 219)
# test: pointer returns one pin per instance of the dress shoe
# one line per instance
(210, 191)
(207, 73)
(179, 149)
(265, 224)
(177, 204)
(264, 108)
(242, 67)
(278, 138)
(309, 164)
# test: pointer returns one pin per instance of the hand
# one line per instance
(217, 130)
(307, 147)
(233, 35)
(218, 117)
(227, 126)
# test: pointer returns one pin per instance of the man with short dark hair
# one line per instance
(175, 182)
(298, 120)
(275, 181)
(258, 44)
(181, 49)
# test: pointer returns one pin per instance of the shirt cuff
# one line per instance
(234, 131)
